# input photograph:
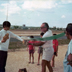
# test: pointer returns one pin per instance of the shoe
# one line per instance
(32, 62)
(38, 64)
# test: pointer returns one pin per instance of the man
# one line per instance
(5, 43)
(68, 56)
(47, 48)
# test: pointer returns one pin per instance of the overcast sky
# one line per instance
(34, 12)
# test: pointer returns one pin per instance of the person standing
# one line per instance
(4, 44)
(68, 57)
(40, 50)
(31, 49)
(55, 46)
(48, 50)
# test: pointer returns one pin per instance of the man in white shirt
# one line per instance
(47, 48)
(5, 43)
(68, 57)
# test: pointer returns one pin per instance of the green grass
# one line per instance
(18, 45)
(63, 41)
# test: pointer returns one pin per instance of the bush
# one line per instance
(16, 45)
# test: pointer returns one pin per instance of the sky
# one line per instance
(34, 12)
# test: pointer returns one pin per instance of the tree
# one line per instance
(16, 27)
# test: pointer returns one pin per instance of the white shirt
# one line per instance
(70, 47)
(68, 68)
(48, 43)
(4, 46)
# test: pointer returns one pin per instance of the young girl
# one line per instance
(55, 46)
(31, 50)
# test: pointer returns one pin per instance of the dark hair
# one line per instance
(6, 24)
(46, 25)
(42, 34)
(31, 36)
(69, 28)
(54, 34)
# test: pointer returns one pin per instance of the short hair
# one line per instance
(31, 36)
(41, 34)
(69, 28)
(46, 25)
(6, 24)
(54, 34)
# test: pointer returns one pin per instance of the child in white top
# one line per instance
(4, 44)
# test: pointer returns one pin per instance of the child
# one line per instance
(5, 43)
(55, 46)
(40, 50)
(31, 51)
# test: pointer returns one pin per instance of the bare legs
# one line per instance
(53, 61)
(44, 64)
(31, 55)
(38, 59)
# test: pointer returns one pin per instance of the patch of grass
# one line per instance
(63, 41)
(18, 45)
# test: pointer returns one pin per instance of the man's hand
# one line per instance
(70, 64)
(56, 54)
(69, 59)
(3, 41)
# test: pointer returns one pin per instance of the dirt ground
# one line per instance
(31, 32)
(19, 59)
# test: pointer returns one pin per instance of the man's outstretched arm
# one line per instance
(37, 43)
